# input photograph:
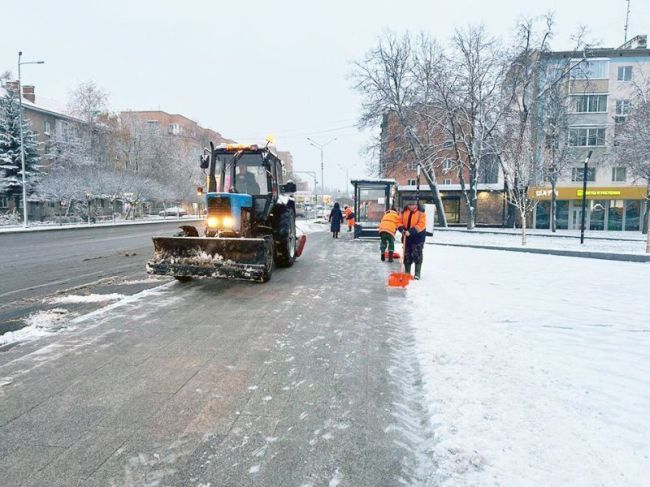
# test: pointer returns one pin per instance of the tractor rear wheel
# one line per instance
(285, 254)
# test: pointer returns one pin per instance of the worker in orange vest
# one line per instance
(349, 216)
(414, 228)
(389, 224)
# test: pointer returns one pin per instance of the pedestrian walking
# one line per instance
(413, 226)
(335, 219)
(349, 216)
(389, 224)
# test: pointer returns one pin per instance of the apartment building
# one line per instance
(600, 90)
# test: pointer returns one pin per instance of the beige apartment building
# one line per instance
(600, 91)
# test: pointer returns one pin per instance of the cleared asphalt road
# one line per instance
(309, 379)
(35, 263)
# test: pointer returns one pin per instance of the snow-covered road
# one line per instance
(536, 368)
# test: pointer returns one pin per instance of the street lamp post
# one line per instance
(320, 147)
(584, 198)
(22, 142)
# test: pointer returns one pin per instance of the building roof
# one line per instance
(46, 106)
(373, 181)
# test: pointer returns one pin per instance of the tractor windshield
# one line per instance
(246, 174)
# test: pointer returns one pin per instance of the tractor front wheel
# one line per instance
(285, 254)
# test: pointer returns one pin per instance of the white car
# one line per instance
(173, 211)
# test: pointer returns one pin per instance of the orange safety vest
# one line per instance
(390, 222)
(418, 220)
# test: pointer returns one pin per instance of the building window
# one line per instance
(624, 73)
(619, 174)
(411, 182)
(448, 144)
(576, 174)
(591, 70)
(4, 202)
(446, 181)
(46, 127)
(447, 165)
(591, 103)
(174, 129)
(411, 166)
(586, 137)
(623, 107)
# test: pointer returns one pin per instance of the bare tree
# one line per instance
(385, 79)
(517, 138)
(556, 152)
(472, 105)
(633, 144)
(87, 102)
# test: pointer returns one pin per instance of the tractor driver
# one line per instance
(246, 180)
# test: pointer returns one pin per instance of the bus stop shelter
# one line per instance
(372, 197)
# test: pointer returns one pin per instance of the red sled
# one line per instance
(395, 255)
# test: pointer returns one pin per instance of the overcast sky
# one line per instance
(249, 68)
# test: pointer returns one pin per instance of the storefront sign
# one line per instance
(594, 193)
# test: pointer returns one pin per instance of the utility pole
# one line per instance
(320, 147)
(22, 141)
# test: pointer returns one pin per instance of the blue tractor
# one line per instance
(250, 224)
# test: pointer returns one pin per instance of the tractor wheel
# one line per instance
(268, 268)
(285, 254)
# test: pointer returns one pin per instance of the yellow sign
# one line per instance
(597, 193)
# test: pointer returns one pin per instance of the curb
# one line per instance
(563, 253)
(97, 225)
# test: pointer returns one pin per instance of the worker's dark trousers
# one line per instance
(387, 242)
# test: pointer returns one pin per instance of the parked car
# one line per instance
(172, 211)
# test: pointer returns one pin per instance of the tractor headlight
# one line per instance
(228, 222)
(213, 221)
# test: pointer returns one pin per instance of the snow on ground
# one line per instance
(39, 324)
(309, 226)
(87, 298)
(536, 367)
(636, 246)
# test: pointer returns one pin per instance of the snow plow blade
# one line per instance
(248, 259)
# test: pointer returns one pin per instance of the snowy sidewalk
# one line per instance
(536, 367)
(38, 227)
(537, 241)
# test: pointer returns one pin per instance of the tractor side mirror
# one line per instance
(288, 187)
(204, 160)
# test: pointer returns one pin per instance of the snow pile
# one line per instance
(535, 367)
(39, 324)
(89, 298)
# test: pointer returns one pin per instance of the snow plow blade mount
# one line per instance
(249, 259)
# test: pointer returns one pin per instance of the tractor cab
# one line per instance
(244, 185)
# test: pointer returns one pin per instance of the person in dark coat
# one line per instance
(336, 218)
